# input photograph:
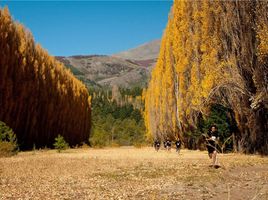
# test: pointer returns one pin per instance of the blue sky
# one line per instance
(67, 28)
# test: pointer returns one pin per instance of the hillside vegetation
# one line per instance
(127, 69)
(117, 117)
(39, 98)
(212, 52)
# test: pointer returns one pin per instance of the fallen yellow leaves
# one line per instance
(130, 173)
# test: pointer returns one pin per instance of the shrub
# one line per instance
(99, 138)
(8, 141)
(60, 144)
(84, 146)
(140, 144)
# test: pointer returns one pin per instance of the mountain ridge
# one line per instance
(124, 69)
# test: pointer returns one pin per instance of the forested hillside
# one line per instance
(212, 52)
(39, 98)
(117, 117)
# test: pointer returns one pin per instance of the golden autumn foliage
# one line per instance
(39, 98)
(212, 52)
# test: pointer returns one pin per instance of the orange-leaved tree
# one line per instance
(39, 98)
(212, 52)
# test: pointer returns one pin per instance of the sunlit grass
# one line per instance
(129, 173)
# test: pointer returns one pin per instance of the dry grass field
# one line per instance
(131, 173)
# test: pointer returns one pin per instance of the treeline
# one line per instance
(115, 120)
(121, 96)
(39, 98)
(212, 52)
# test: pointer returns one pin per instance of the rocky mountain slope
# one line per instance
(146, 51)
(125, 69)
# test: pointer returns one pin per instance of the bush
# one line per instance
(60, 144)
(8, 141)
(84, 146)
(99, 138)
(7, 149)
(140, 144)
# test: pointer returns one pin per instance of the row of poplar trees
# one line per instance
(39, 98)
(212, 52)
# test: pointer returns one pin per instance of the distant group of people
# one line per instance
(211, 138)
(167, 145)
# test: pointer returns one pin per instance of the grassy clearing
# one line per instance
(131, 173)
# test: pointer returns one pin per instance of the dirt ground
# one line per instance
(131, 173)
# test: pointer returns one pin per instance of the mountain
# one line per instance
(125, 69)
(146, 51)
